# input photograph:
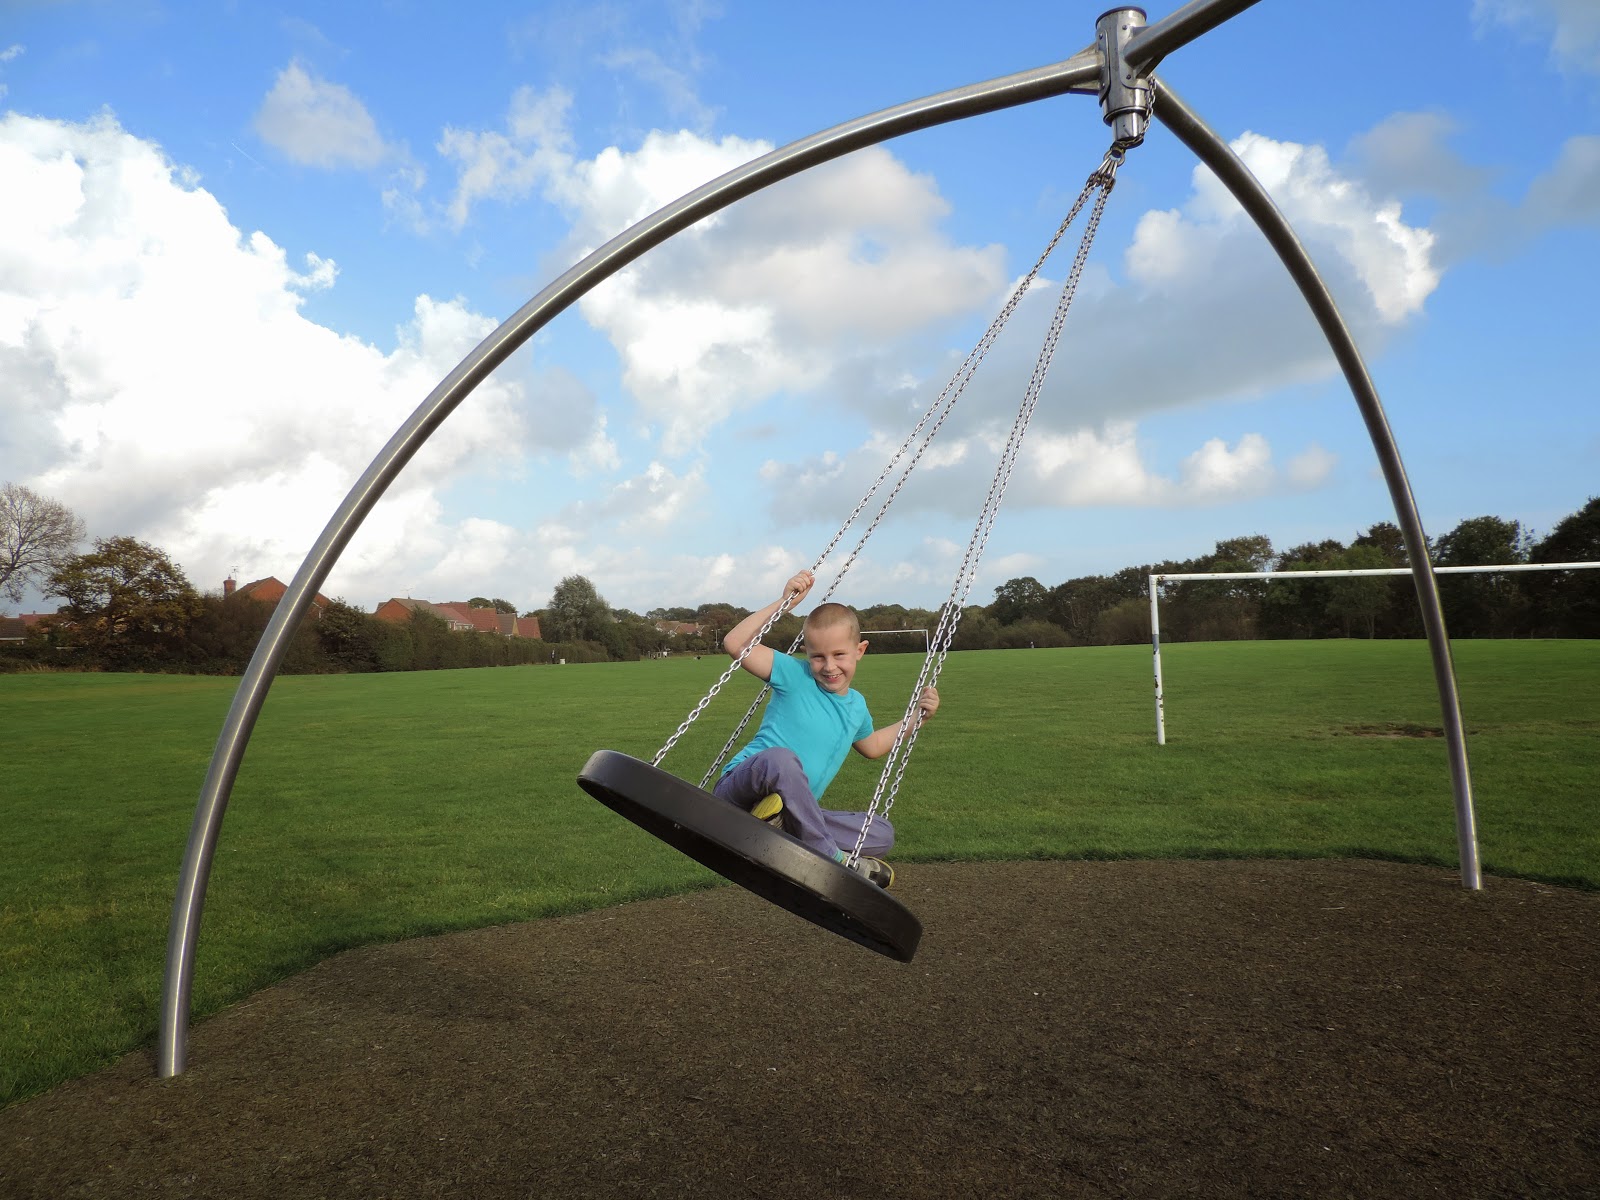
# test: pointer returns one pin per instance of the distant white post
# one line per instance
(1155, 648)
(925, 640)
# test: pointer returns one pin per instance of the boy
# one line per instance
(812, 718)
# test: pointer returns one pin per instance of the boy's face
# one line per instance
(833, 653)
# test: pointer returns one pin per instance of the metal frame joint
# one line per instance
(1126, 93)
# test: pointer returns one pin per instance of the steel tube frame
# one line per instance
(1154, 42)
(1073, 74)
(1215, 153)
(1080, 73)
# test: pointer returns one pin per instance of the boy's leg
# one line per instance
(779, 771)
(845, 827)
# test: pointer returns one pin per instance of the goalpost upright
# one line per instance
(925, 636)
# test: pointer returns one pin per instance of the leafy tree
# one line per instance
(1250, 553)
(1482, 541)
(127, 602)
(36, 535)
(1125, 623)
(1567, 603)
(1359, 601)
(1076, 605)
(1482, 605)
(1294, 609)
(1385, 536)
(717, 619)
(223, 634)
(1228, 609)
(576, 613)
(671, 614)
(977, 630)
(1019, 600)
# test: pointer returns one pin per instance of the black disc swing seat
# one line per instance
(748, 851)
(752, 854)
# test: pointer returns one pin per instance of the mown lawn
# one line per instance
(380, 807)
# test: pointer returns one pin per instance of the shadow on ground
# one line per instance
(1067, 1029)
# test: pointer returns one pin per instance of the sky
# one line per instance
(240, 243)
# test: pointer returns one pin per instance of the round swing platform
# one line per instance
(753, 854)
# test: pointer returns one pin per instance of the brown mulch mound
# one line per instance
(1067, 1029)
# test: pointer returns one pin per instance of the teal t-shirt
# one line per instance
(817, 725)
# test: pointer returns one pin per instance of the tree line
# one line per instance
(127, 606)
(1115, 609)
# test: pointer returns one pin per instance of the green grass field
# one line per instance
(379, 807)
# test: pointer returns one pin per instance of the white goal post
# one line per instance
(925, 638)
(1157, 580)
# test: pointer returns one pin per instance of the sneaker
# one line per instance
(770, 810)
(876, 870)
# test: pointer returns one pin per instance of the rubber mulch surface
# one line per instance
(1142, 1029)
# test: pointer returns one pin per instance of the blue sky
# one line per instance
(239, 243)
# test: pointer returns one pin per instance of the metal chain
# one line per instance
(1099, 184)
(783, 607)
(943, 405)
(937, 412)
(1103, 179)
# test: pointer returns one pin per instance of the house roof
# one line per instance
(446, 614)
(272, 589)
(484, 620)
(13, 629)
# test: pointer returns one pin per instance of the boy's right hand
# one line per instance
(798, 586)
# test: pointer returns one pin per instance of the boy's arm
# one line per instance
(759, 661)
(880, 741)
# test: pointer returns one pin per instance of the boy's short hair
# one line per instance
(826, 616)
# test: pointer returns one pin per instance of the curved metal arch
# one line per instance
(1079, 73)
(1246, 188)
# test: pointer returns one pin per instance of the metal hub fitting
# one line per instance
(1124, 95)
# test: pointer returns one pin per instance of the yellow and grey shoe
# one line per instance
(770, 810)
(876, 870)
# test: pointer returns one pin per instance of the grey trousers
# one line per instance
(820, 829)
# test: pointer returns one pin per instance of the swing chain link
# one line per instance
(1099, 184)
(943, 405)
(1103, 179)
(783, 607)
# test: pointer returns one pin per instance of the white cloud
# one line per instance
(1310, 467)
(1406, 153)
(1572, 26)
(1083, 468)
(1569, 193)
(780, 293)
(319, 124)
(509, 166)
(163, 382)
(774, 295)
(1390, 258)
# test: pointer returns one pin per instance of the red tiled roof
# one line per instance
(272, 589)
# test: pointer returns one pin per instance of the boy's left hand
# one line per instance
(928, 702)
